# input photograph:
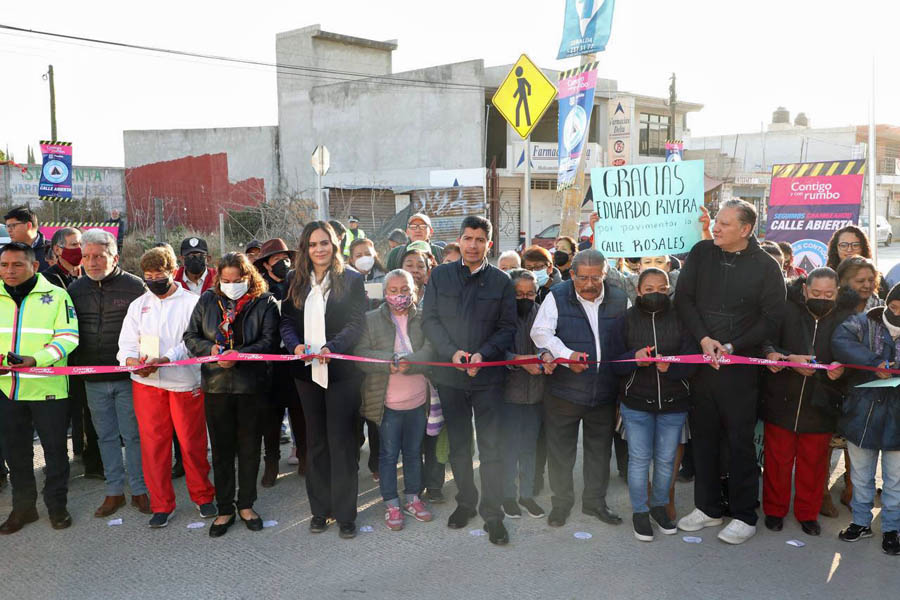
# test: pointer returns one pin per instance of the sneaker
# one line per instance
(434, 496)
(643, 531)
(497, 533)
(393, 518)
(774, 523)
(532, 507)
(347, 530)
(661, 517)
(511, 509)
(557, 517)
(208, 510)
(811, 527)
(855, 533)
(159, 520)
(890, 543)
(737, 532)
(318, 524)
(697, 520)
(292, 459)
(416, 509)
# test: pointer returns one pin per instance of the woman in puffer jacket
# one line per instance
(870, 418)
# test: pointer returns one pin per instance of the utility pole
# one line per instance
(673, 101)
(572, 197)
(49, 77)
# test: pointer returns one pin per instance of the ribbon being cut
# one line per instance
(727, 360)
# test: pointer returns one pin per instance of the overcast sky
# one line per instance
(740, 59)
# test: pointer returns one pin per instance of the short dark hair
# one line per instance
(476, 222)
(60, 235)
(746, 211)
(822, 273)
(786, 248)
(338, 227)
(22, 214)
(772, 248)
(537, 254)
(19, 247)
(648, 272)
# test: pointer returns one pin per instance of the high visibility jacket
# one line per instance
(45, 327)
(351, 237)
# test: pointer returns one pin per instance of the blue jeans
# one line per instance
(401, 430)
(651, 436)
(519, 428)
(862, 474)
(112, 411)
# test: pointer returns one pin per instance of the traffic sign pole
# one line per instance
(526, 204)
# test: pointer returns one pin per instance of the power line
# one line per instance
(281, 68)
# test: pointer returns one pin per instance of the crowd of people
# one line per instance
(578, 335)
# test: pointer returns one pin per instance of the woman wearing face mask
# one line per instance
(539, 261)
(562, 257)
(522, 411)
(656, 399)
(364, 259)
(800, 404)
(324, 312)
(237, 315)
(170, 397)
(396, 396)
(870, 418)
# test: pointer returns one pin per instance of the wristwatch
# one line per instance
(729, 348)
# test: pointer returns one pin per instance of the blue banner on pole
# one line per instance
(586, 27)
(56, 172)
(576, 101)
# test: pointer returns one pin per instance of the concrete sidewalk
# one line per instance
(426, 560)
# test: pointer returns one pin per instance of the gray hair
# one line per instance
(100, 237)
(60, 235)
(746, 212)
(588, 258)
(511, 254)
(405, 275)
(516, 274)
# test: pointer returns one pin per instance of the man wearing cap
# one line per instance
(194, 275)
(252, 250)
(418, 229)
(353, 234)
(397, 238)
(273, 263)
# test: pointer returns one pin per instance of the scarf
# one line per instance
(230, 310)
(314, 325)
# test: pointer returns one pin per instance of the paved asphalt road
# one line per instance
(426, 560)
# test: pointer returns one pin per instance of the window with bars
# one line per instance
(653, 132)
(543, 184)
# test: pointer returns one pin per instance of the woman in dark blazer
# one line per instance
(322, 313)
(236, 315)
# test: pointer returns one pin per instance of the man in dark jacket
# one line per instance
(101, 301)
(418, 229)
(65, 246)
(800, 405)
(22, 225)
(576, 322)
(730, 297)
(470, 317)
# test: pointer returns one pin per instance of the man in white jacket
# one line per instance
(166, 397)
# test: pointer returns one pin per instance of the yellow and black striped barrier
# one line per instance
(816, 169)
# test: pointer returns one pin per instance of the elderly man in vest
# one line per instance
(39, 330)
(575, 321)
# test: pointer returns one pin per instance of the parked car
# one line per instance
(547, 237)
(882, 228)
(4, 235)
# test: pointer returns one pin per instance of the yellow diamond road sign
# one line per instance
(524, 96)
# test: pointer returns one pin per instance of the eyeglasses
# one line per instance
(591, 278)
(417, 227)
(11, 225)
(850, 245)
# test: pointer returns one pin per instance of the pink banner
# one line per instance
(820, 190)
(49, 230)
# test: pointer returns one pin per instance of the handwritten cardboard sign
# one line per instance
(648, 210)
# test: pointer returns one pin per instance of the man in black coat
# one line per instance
(470, 317)
(730, 297)
(101, 301)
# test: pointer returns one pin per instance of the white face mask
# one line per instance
(364, 264)
(234, 290)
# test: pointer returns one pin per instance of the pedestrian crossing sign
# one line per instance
(524, 96)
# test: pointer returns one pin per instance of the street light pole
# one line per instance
(49, 77)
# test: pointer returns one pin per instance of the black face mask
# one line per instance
(891, 317)
(280, 269)
(654, 302)
(524, 306)
(195, 264)
(560, 258)
(819, 307)
(158, 286)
